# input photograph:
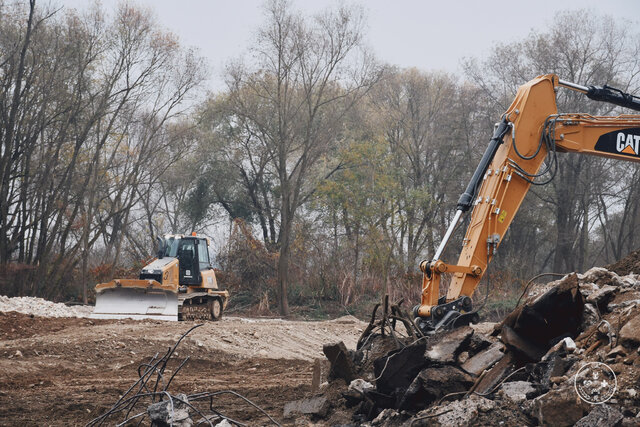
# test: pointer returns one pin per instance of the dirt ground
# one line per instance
(67, 371)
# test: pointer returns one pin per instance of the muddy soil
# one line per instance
(67, 371)
(628, 264)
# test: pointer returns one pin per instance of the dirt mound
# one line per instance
(67, 371)
(627, 265)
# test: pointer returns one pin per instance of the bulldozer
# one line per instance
(180, 284)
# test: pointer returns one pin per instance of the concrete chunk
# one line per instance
(602, 295)
(601, 416)
(170, 413)
(316, 406)
(555, 314)
(495, 374)
(630, 332)
(515, 341)
(445, 347)
(398, 368)
(516, 391)
(462, 413)
(484, 360)
(341, 363)
(560, 407)
(433, 383)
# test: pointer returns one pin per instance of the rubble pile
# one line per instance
(41, 307)
(569, 355)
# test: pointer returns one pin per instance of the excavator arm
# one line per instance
(521, 153)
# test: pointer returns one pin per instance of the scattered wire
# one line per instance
(151, 387)
(215, 393)
(500, 383)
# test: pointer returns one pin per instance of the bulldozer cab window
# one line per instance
(203, 255)
(186, 253)
(172, 247)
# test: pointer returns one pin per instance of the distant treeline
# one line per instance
(341, 172)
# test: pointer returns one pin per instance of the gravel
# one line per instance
(42, 307)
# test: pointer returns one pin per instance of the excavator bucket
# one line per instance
(135, 299)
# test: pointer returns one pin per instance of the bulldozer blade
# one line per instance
(135, 303)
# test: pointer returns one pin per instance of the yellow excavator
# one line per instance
(179, 285)
(530, 132)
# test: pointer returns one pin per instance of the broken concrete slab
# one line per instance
(517, 391)
(495, 374)
(601, 416)
(314, 406)
(462, 413)
(520, 345)
(480, 341)
(602, 296)
(630, 332)
(564, 346)
(556, 313)
(559, 407)
(342, 365)
(445, 346)
(398, 368)
(433, 383)
(599, 275)
(361, 385)
(484, 360)
(554, 365)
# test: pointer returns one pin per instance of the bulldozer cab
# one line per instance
(192, 255)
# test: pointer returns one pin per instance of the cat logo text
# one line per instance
(627, 143)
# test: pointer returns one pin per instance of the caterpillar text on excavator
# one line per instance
(521, 153)
(179, 285)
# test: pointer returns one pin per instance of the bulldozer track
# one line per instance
(196, 312)
(201, 307)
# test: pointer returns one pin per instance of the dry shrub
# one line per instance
(106, 272)
(248, 270)
(16, 279)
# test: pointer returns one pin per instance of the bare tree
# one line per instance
(85, 131)
(291, 101)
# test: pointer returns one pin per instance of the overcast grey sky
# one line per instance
(427, 34)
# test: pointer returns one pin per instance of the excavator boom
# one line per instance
(530, 132)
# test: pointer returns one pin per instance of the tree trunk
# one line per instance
(283, 265)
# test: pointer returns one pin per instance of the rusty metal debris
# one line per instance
(149, 399)
(391, 314)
